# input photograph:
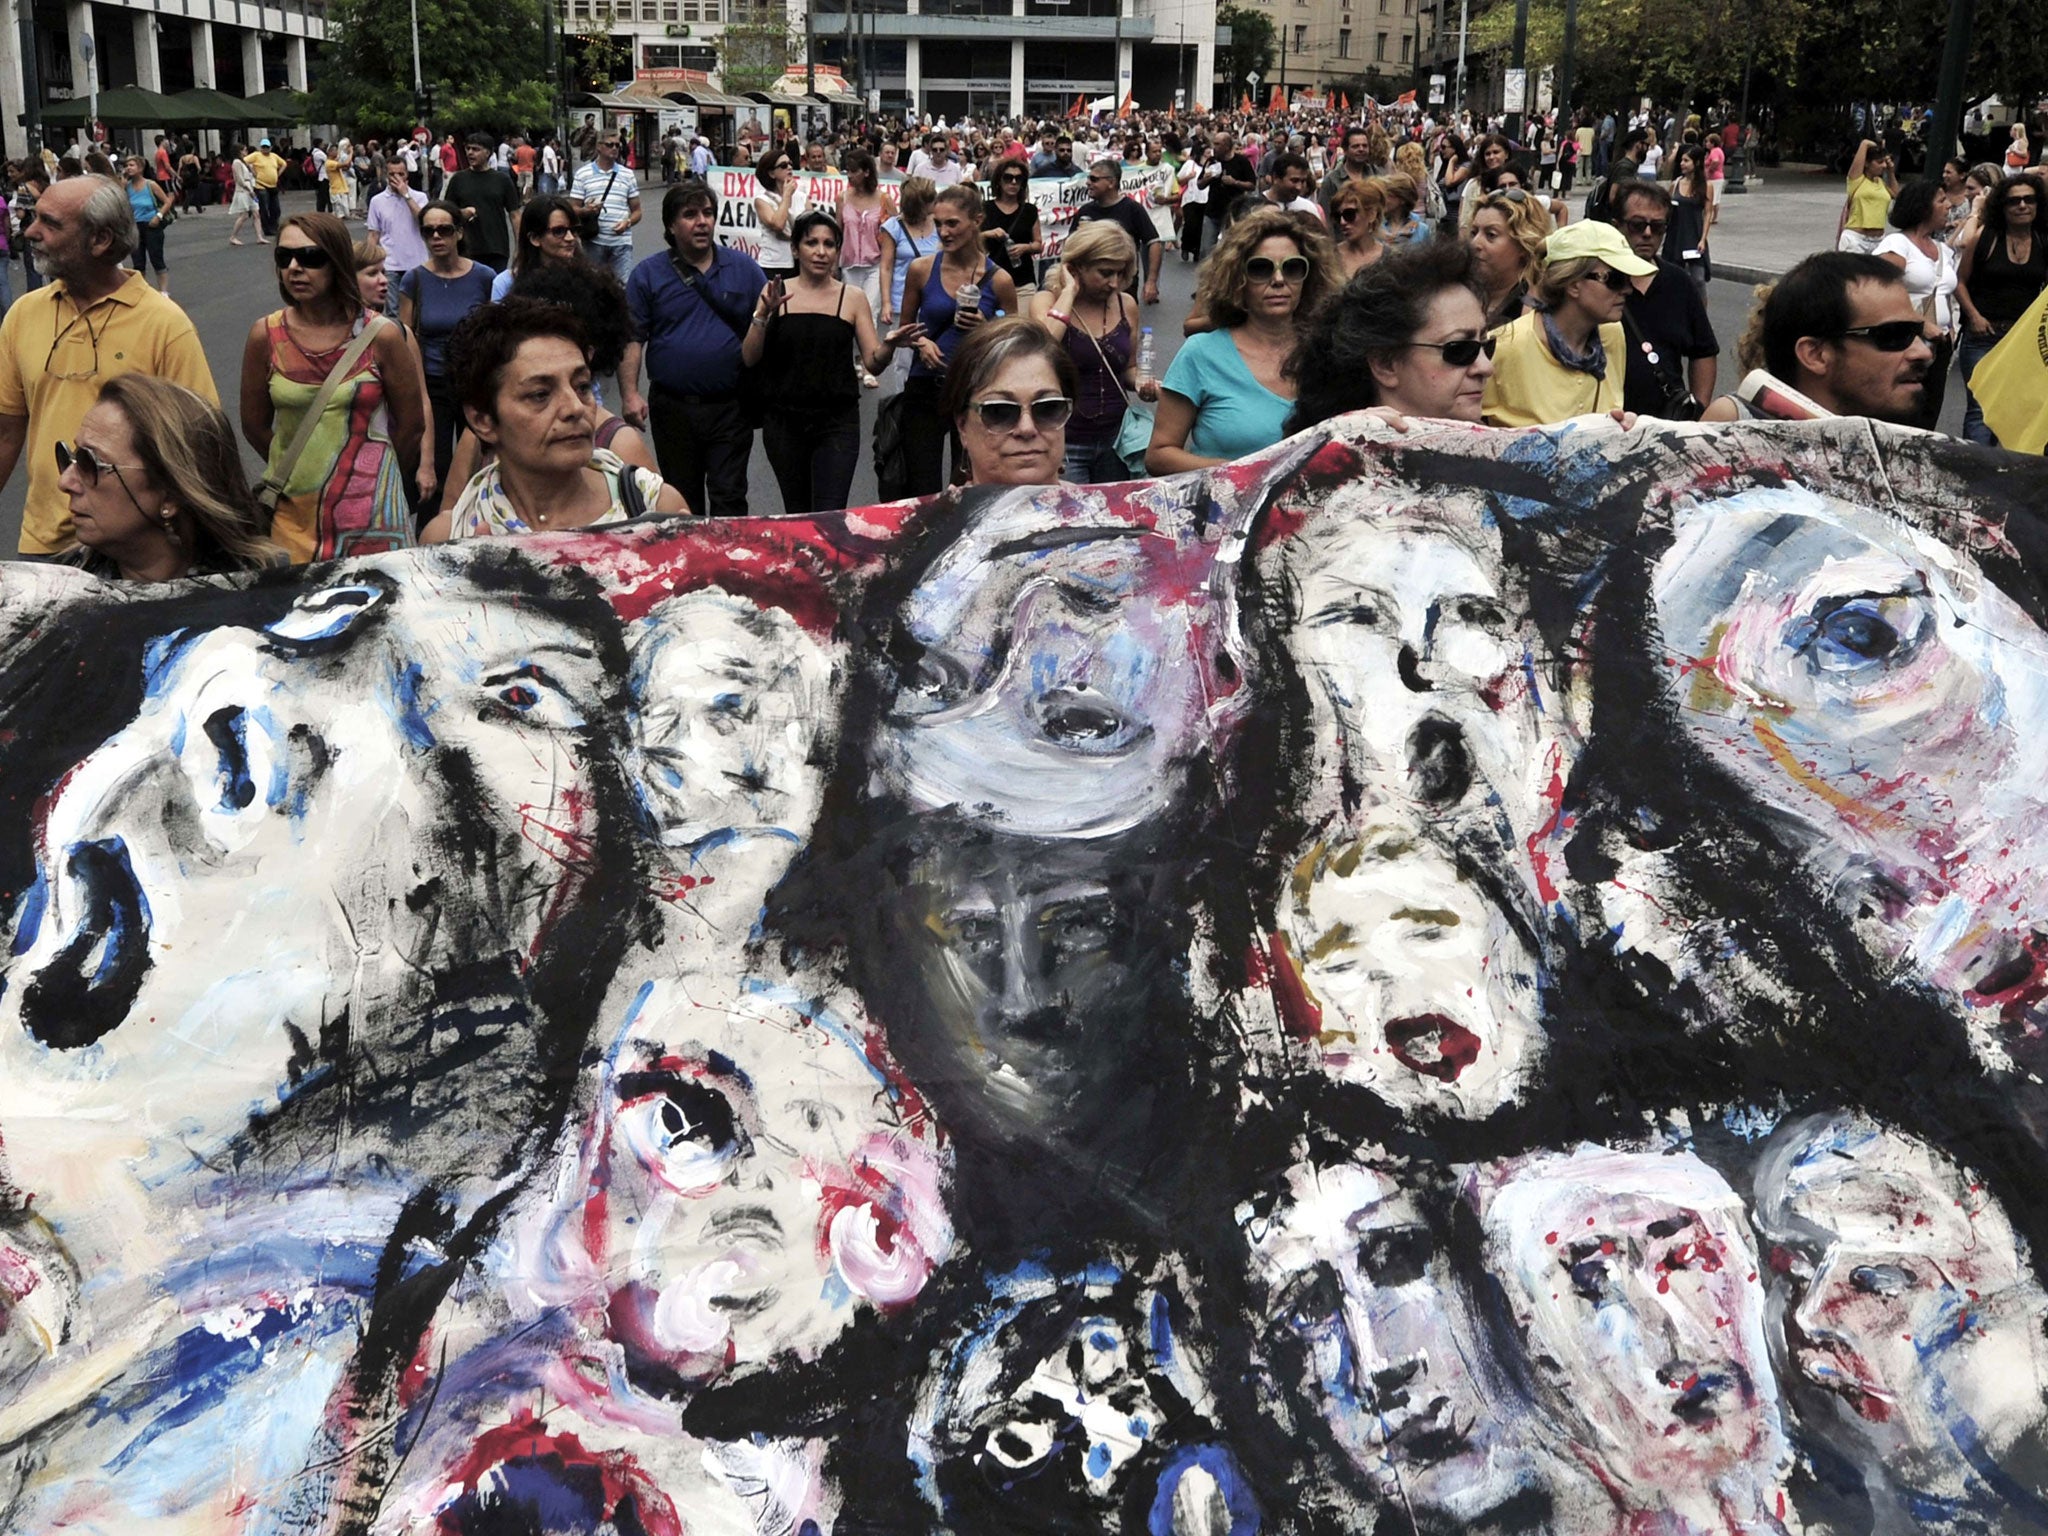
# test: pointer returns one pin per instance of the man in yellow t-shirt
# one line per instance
(267, 167)
(95, 319)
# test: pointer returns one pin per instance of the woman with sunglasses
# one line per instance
(1009, 226)
(1564, 357)
(1507, 235)
(1408, 338)
(2001, 273)
(776, 206)
(1357, 209)
(954, 290)
(346, 492)
(433, 300)
(1092, 315)
(805, 339)
(157, 489)
(1226, 393)
(547, 233)
(1009, 393)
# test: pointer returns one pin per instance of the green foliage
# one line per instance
(596, 58)
(481, 58)
(1252, 49)
(757, 46)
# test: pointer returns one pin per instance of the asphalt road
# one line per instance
(225, 289)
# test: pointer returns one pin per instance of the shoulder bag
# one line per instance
(1134, 432)
(279, 475)
(752, 396)
(590, 225)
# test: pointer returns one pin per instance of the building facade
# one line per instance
(237, 46)
(1331, 46)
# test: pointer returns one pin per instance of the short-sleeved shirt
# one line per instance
(1870, 203)
(1670, 328)
(265, 167)
(439, 304)
(590, 186)
(397, 230)
(488, 237)
(1234, 413)
(134, 329)
(690, 349)
(1531, 388)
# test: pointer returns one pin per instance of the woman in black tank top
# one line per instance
(1999, 277)
(801, 348)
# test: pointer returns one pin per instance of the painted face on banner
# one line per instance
(1636, 1290)
(1904, 1292)
(1871, 683)
(1368, 1321)
(376, 808)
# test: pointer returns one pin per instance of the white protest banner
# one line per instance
(738, 225)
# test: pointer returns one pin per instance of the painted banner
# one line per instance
(1423, 982)
(1057, 200)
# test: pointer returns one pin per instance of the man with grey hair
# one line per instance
(1105, 187)
(92, 321)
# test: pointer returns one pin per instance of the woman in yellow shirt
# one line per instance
(1564, 356)
(1872, 186)
(341, 194)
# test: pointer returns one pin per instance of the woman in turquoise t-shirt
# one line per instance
(1225, 394)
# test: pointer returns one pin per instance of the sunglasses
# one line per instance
(1892, 336)
(309, 257)
(1646, 226)
(90, 465)
(562, 230)
(1263, 269)
(1613, 281)
(1346, 215)
(1002, 416)
(442, 231)
(1463, 352)
(2019, 202)
(1504, 195)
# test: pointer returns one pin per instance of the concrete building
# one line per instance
(1333, 45)
(238, 46)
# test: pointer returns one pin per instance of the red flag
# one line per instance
(1343, 101)
(1278, 103)
(1405, 99)
(1130, 101)
(1246, 104)
(1080, 104)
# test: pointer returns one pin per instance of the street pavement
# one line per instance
(1762, 233)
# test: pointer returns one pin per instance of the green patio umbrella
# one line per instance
(125, 106)
(282, 106)
(217, 109)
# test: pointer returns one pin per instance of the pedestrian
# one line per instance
(584, 139)
(92, 320)
(393, 220)
(192, 190)
(316, 167)
(1287, 182)
(906, 237)
(547, 232)
(701, 159)
(1999, 276)
(1194, 201)
(524, 162)
(1226, 393)
(691, 307)
(607, 195)
(1400, 195)
(1357, 211)
(862, 208)
(1693, 213)
(1410, 162)
(432, 301)
(2019, 155)
(373, 281)
(1090, 312)
(266, 166)
(1867, 208)
(486, 201)
(1507, 235)
(776, 206)
(1009, 226)
(1840, 336)
(1407, 339)
(156, 488)
(1227, 177)
(341, 196)
(1356, 165)
(244, 206)
(1673, 355)
(339, 487)
(151, 205)
(1109, 201)
(811, 341)
(522, 372)
(948, 294)
(550, 182)
(1919, 215)
(1566, 355)
(1008, 396)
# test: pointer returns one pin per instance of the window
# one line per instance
(660, 56)
(671, 10)
(1300, 39)
(1405, 41)
(703, 10)
(1379, 46)
(1344, 42)
(650, 10)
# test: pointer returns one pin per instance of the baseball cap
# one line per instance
(1591, 238)
(264, 145)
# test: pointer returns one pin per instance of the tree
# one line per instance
(757, 45)
(481, 59)
(1251, 51)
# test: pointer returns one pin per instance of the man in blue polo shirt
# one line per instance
(691, 306)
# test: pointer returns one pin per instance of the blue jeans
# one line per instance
(1093, 464)
(1970, 351)
(618, 257)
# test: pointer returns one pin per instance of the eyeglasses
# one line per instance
(309, 257)
(1504, 195)
(91, 465)
(57, 335)
(1613, 281)
(1463, 352)
(1892, 335)
(1004, 416)
(443, 231)
(1263, 269)
(1346, 215)
(1646, 226)
(2019, 202)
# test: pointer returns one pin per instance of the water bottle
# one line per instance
(1148, 356)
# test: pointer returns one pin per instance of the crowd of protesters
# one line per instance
(486, 356)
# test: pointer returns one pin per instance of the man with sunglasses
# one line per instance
(1672, 352)
(93, 320)
(1105, 187)
(1841, 337)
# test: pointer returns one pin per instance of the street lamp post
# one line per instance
(1464, 30)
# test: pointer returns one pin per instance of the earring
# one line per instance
(170, 517)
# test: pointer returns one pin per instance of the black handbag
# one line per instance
(590, 225)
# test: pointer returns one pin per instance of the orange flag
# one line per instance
(1278, 103)
(1246, 104)
(1130, 101)
(1343, 102)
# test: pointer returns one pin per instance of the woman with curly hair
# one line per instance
(1507, 235)
(1226, 393)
